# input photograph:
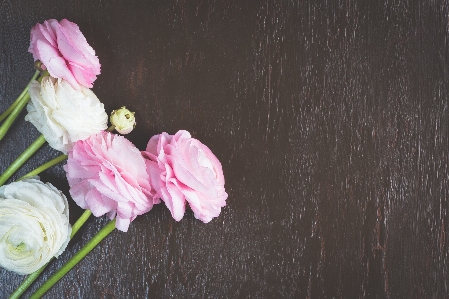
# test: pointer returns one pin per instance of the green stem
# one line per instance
(27, 282)
(13, 115)
(13, 105)
(22, 159)
(83, 218)
(32, 277)
(17, 109)
(74, 260)
(44, 167)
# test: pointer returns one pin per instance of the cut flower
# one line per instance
(107, 174)
(183, 169)
(64, 52)
(63, 114)
(34, 225)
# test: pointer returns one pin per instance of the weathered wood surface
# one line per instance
(331, 122)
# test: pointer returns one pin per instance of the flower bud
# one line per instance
(123, 120)
(39, 66)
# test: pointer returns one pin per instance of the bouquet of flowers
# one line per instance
(106, 173)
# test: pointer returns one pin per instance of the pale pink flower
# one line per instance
(183, 169)
(64, 52)
(107, 174)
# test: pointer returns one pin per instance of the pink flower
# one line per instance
(107, 174)
(64, 52)
(183, 169)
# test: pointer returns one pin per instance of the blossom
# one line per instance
(34, 225)
(107, 174)
(63, 114)
(64, 52)
(183, 169)
(123, 120)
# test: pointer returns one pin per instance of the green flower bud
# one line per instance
(123, 120)
(39, 66)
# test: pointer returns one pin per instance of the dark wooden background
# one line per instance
(330, 119)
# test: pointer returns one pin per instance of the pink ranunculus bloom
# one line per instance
(107, 174)
(183, 169)
(64, 52)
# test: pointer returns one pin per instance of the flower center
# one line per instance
(21, 247)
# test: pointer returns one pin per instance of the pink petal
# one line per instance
(155, 176)
(80, 75)
(174, 200)
(152, 145)
(55, 64)
(122, 224)
(72, 31)
(98, 204)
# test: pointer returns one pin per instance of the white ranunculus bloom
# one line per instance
(34, 225)
(64, 115)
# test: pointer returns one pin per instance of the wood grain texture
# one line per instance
(330, 119)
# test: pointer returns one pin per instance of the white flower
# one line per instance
(34, 225)
(64, 115)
